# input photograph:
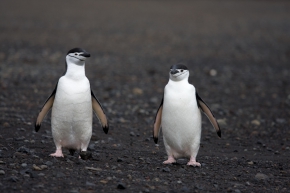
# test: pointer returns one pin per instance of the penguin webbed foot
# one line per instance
(193, 162)
(58, 153)
(170, 160)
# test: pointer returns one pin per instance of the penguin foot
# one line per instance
(193, 162)
(58, 153)
(170, 160)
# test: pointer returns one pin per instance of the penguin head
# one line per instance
(77, 56)
(178, 72)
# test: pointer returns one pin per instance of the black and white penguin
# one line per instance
(180, 118)
(72, 103)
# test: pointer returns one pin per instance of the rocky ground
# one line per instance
(238, 53)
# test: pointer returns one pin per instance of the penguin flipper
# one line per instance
(208, 113)
(98, 109)
(157, 122)
(45, 109)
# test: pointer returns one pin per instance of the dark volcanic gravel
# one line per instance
(238, 53)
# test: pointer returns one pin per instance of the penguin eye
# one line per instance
(76, 54)
(181, 70)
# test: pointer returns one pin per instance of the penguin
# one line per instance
(179, 116)
(72, 102)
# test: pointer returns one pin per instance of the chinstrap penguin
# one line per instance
(72, 103)
(179, 117)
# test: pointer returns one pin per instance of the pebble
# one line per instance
(90, 184)
(167, 169)
(94, 169)
(20, 138)
(129, 177)
(43, 167)
(25, 171)
(154, 100)
(23, 149)
(261, 176)
(35, 167)
(20, 155)
(121, 186)
(2, 172)
(137, 91)
(255, 122)
(104, 181)
(222, 122)
(185, 189)
(132, 134)
(24, 165)
(13, 179)
(280, 120)
(73, 191)
(91, 146)
(119, 160)
(48, 163)
(212, 72)
(21, 129)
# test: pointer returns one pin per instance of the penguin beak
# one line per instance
(85, 54)
(174, 71)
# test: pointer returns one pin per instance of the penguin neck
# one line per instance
(179, 79)
(75, 71)
(183, 81)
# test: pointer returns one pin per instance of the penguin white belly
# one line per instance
(181, 121)
(71, 116)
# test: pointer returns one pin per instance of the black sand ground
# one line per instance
(238, 53)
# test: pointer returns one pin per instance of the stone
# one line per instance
(121, 186)
(90, 184)
(35, 167)
(104, 181)
(166, 169)
(119, 160)
(23, 149)
(13, 179)
(212, 72)
(137, 91)
(260, 176)
(222, 122)
(94, 169)
(255, 122)
(48, 163)
(43, 167)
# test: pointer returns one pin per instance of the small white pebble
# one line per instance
(213, 72)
